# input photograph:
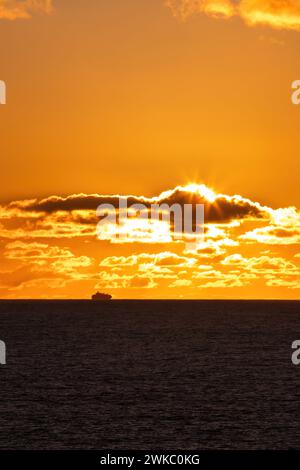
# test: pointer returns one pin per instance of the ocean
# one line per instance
(149, 375)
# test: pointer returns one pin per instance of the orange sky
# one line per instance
(138, 97)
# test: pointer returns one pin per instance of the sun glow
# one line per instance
(203, 190)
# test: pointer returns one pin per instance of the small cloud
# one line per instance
(23, 9)
(181, 283)
(141, 282)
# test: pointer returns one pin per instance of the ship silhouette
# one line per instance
(99, 296)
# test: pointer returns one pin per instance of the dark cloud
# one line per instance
(222, 209)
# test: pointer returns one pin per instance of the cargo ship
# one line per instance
(99, 296)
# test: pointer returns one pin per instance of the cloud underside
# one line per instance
(49, 245)
(23, 9)
(218, 207)
(278, 14)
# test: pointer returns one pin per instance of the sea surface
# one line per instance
(149, 375)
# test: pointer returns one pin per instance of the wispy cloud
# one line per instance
(278, 14)
(23, 9)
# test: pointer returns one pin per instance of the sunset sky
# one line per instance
(178, 100)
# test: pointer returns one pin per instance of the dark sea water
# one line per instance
(149, 375)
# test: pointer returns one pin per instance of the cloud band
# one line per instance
(278, 14)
